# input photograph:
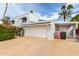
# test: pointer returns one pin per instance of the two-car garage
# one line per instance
(35, 30)
(42, 30)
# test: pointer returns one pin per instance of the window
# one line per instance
(13, 21)
(24, 19)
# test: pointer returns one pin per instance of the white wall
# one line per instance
(18, 22)
(31, 17)
(51, 31)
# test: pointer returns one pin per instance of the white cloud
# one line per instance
(41, 17)
(54, 16)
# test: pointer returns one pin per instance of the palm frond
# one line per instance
(69, 7)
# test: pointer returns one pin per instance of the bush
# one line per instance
(6, 33)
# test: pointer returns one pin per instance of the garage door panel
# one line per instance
(36, 31)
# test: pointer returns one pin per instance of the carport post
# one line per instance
(51, 31)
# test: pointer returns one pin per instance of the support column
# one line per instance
(51, 31)
(74, 32)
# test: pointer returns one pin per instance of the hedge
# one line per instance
(6, 33)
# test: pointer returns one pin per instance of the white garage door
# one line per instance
(36, 31)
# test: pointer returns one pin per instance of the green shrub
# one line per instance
(6, 33)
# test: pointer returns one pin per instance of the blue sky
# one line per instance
(44, 10)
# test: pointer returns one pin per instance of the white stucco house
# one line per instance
(35, 27)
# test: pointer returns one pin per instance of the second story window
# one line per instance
(24, 19)
(13, 21)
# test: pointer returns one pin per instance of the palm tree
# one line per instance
(69, 8)
(5, 19)
(65, 11)
(63, 8)
(5, 11)
(63, 14)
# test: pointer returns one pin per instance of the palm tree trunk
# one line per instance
(5, 11)
(64, 18)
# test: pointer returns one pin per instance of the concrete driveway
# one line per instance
(24, 46)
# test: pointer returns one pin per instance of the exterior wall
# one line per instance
(51, 31)
(77, 25)
(62, 28)
(31, 17)
(36, 31)
(74, 32)
(65, 26)
(18, 22)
